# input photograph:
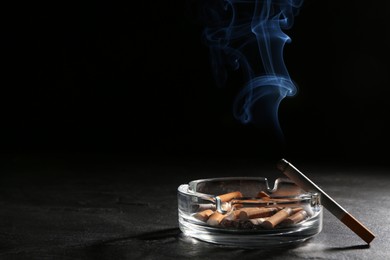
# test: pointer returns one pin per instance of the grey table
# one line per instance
(128, 210)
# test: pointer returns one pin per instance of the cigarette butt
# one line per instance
(204, 215)
(215, 218)
(237, 206)
(296, 210)
(248, 213)
(295, 218)
(270, 199)
(246, 224)
(233, 215)
(206, 206)
(248, 201)
(229, 196)
(264, 200)
(281, 215)
(257, 221)
(262, 194)
(226, 206)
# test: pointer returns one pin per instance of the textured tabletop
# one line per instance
(129, 211)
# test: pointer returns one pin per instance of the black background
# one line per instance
(134, 79)
(107, 107)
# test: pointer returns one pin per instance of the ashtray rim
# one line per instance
(190, 187)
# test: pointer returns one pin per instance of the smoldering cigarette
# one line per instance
(339, 212)
(278, 217)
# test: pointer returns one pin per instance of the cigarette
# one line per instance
(281, 215)
(262, 194)
(206, 206)
(257, 221)
(295, 218)
(265, 200)
(204, 215)
(296, 210)
(248, 213)
(215, 218)
(229, 196)
(246, 224)
(305, 183)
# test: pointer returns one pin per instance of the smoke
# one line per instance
(247, 36)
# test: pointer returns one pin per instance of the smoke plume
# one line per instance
(247, 36)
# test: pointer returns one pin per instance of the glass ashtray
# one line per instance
(246, 212)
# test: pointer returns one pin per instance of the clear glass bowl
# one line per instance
(245, 212)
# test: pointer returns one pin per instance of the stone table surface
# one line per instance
(128, 210)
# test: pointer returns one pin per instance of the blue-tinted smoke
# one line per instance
(247, 35)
